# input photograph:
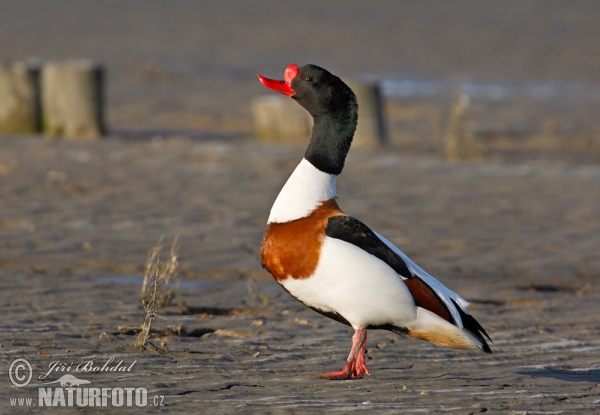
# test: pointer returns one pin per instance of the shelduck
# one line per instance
(334, 263)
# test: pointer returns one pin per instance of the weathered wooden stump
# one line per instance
(459, 140)
(278, 118)
(72, 99)
(19, 98)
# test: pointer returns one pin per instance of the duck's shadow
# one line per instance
(566, 374)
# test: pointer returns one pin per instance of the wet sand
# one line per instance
(519, 240)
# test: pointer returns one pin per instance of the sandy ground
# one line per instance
(517, 234)
(519, 240)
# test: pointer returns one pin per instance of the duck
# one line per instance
(335, 264)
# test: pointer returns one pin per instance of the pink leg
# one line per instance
(356, 367)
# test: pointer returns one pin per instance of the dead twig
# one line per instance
(155, 290)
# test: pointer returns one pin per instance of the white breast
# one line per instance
(304, 191)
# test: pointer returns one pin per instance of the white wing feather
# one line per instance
(445, 294)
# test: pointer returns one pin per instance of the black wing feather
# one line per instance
(353, 231)
(474, 327)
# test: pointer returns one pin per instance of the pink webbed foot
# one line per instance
(356, 366)
(352, 370)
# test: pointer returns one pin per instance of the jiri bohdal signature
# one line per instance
(88, 367)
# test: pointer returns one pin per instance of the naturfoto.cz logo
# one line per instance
(72, 391)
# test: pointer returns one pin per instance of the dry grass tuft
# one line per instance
(155, 290)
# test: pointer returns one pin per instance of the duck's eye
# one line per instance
(309, 79)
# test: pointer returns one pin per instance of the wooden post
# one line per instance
(19, 98)
(72, 99)
(459, 141)
(278, 118)
(371, 128)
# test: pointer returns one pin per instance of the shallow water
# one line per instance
(500, 91)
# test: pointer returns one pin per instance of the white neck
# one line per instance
(304, 191)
